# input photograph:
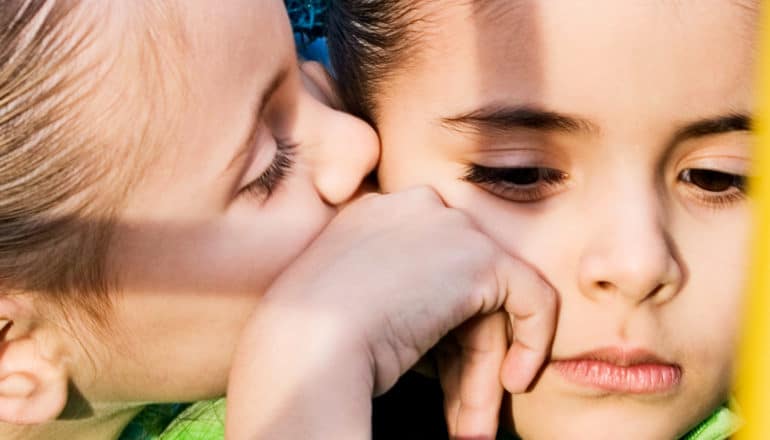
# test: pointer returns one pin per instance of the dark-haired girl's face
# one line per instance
(607, 144)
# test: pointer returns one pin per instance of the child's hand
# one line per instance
(469, 363)
(473, 367)
(388, 278)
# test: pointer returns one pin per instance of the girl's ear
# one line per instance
(33, 381)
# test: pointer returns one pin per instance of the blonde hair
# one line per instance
(54, 226)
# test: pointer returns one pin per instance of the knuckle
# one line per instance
(484, 246)
(549, 296)
(514, 266)
(365, 203)
(486, 293)
(457, 218)
(475, 249)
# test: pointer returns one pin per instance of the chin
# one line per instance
(608, 418)
(598, 430)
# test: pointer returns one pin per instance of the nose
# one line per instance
(346, 149)
(630, 255)
(347, 152)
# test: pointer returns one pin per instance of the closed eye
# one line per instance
(517, 184)
(263, 186)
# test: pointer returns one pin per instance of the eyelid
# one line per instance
(723, 163)
(260, 155)
(730, 147)
(270, 179)
(528, 155)
(713, 200)
(724, 160)
(549, 182)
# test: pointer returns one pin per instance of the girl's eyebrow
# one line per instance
(715, 125)
(496, 120)
(502, 120)
(264, 97)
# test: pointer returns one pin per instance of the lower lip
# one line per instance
(632, 379)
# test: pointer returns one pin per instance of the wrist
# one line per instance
(299, 375)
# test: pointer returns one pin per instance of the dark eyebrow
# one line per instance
(500, 120)
(264, 97)
(712, 126)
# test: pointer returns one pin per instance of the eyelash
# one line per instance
(263, 186)
(503, 181)
(732, 189)
(506, 183)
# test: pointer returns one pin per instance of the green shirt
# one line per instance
(200, 421)
(206, 421)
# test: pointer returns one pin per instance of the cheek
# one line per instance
(547, 237)
(715, 255)
(188, 292)
(710, 303)
(410, 157)
(272, 236)
(240, 255)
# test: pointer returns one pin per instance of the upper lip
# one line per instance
(620, 356)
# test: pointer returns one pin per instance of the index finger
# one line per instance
(532, 305)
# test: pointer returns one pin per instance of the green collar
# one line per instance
(721, 425)
(206, 421)
(200, 421)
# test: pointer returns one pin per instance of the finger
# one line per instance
(532, 304)
(412, 202)
(470, 377)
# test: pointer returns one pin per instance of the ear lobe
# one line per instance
(33, 388)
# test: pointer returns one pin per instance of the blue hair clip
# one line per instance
(308, 19)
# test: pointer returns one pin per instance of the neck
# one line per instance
(106, 425)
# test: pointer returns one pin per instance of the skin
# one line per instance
(193, 251)
(641, 257)
(220, 240)
(323, 348)
(217, 102)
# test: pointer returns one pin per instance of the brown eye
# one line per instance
(518, 176)
(524, 176)
(517, 184)
(713, 181)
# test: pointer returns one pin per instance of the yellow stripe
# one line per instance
(753, 387)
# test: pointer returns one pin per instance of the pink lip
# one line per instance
(620, 371)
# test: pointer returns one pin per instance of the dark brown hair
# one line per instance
(367, 40)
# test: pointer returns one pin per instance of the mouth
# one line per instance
(621, 371)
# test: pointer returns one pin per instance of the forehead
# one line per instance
(600, 56)
(188, 78)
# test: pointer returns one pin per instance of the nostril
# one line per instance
(654, 292)
(604, 285)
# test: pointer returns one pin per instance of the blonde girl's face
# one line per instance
(607, 144)
(250, 169)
